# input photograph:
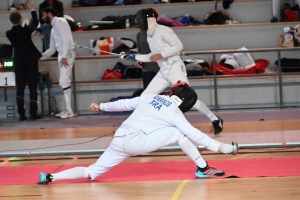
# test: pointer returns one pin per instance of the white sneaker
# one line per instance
(67, 114)
(61, 113)
(164, 1)
(12, 8)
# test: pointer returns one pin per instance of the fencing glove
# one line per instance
(130, 57)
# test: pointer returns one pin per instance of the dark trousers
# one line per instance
(27, 73)
(147, 78)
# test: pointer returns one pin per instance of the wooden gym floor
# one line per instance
(277, 124)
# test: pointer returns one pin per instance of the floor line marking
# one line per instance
(179, 189)
(237, 157)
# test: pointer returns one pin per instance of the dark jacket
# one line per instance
(20, 38)
(57, 6)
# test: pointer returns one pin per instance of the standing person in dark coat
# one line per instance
(26, 57)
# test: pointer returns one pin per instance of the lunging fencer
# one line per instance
(165, 49)
(157, 121)
(61, 40)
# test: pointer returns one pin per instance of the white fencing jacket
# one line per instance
(61, 39)
(165, 42)
(154, 112)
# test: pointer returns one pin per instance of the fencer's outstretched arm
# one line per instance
(175, 45)
(120, 105)
(192, 133)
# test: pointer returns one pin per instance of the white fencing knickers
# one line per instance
(162, 80)
(66, 72)
(128, 142)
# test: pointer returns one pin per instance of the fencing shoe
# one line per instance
(45, 178)
(208, 172)
(61, 113)
(218, 126)
(67, 114)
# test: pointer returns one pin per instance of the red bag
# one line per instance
(111, 75)
(259, 67)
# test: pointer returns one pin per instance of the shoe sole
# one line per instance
(198, 175)
(217, 133)
(67, 117)
(59, 114)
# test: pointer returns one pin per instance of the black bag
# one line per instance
(73, 25)
(289, 64)
(133, 72)
(89, 3)
(216, 16)
(6, 51)
(119, 22)
(128, 72)
(131, 2)
(106, 2)
(75, 3)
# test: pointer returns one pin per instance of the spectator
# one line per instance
(11, 5)
(26, 57)
(46, 27)
(149, 69)
(276, 9)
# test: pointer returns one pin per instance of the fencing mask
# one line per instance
(142, 16)
(183, 95)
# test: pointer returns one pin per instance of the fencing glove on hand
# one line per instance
(130, 57)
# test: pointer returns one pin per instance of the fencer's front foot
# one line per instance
(235, 148)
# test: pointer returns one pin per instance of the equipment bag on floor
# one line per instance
(289, 64)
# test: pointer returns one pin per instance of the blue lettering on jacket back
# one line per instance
(159, 101)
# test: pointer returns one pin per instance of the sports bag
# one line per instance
(289, 13)
(111, 75)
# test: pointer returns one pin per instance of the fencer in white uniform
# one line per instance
(61, 40)
(165, 49)
(157, 121)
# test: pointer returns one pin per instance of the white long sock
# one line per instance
(10, 2)
(201, 107)
(67, 95)
(74, 173)
(276, 8)
(191, 151)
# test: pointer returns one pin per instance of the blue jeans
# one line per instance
(46, 29)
